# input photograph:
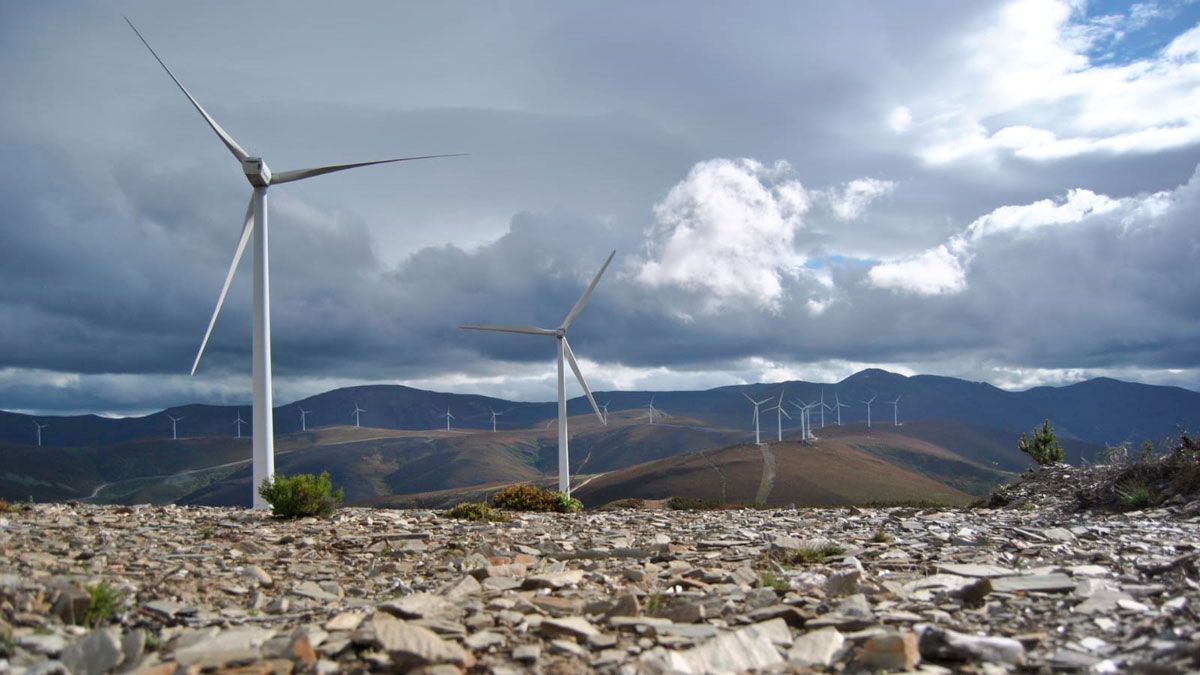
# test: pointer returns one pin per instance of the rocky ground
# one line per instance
(173, 589)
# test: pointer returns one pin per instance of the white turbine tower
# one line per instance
(239, 423)
(448, 417)
(822, 408)
(868, 402)
(39, 426)
(838, 405)
(564, 354)
(174, 421)
(494, 416)
(304, 418)
(780, 413)
(652, 409)
(808, 419)
(896, 411)
(604, 408)
(356, 412)
(255, 223)
(757, 436)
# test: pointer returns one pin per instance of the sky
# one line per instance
(999, 191)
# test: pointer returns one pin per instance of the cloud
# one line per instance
(933, 272)
(851, 200)
(728, 229)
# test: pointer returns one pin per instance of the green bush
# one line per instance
(301, 495)
(474, 511)
(525, 497)
(105, 604)
(808, 555)
(1043, 446)
(693, 504)
(565, 504)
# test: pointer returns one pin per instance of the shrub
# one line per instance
(808, 555)
(1043, 446)
(104, 606)
(769, 580)
(474, 511)
(301, 495)
(1134, 494)
(630, 503)
(881, 537)
(525, 497)
(693, 504)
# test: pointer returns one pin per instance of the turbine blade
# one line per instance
(785, 413)
(749, 399)
(224, 135)
(524, 330)
(301, 174)
(237, 256)
(579, 376)
(587, 294)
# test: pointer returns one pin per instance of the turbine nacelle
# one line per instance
(257, 171)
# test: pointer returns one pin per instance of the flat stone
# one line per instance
(483, 640)
(98, 652)
(422, 606)
(749, 648)
(692, 631)
(50, 644)
(554, 579)
(258, 574)
(346, 621)
(944, 644)
(1044, 583)
(896, 651)
(976, 570)
(410, 645)
(527, 653)
(230, 646)
(313, 591)
(816, 648)
(571, 626)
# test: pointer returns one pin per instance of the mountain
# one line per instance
(1097, 411)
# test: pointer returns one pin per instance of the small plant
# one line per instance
(207, 531)
(809, 555)
(1134, 494)
(6, 507)
(525, 497)
(882, 537)
(151, 641)
(8, 645)
(1043, 446)
(105, 604)
(565, 504)
(654, 603)
(693, 504)
(474, 511)
(769, 580)
(301, 495)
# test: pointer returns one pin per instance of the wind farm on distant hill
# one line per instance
(951, 438)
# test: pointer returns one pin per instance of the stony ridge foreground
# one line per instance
(622, 591)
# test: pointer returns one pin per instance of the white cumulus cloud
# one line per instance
(851, 200)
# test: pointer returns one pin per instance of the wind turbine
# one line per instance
(449, 417)
(780, 413)
(564, 353)
(604, 408)
(822, 408)
(838, 406)
(260, 177)
(356, 412)
(174, 421)
(304, 418)
(239, 423)
(650, 406)
(808, 419)
(39, 426)
(757, 438)
(896, 411)
(868, 402)
(494, 416)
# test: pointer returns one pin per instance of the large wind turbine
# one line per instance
(174, 421)
(652, 409)
(780, 413)
(896, 411)
(757, 437)
(494, 416)
(822, 408)
(868, 402)
(838, 405)
(448, 417)
(564, 353)
(604, 408)
(255, 222)
(39, 426)
(304, 418)
(356, 412)
(239, 424)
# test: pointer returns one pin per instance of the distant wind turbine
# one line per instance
(896, 411)
(838, 405)
(174, 421)
(868, 402)
(356, 412)
(449, 417)
(810, 436)
(604, 409)
(652, 409)
(260, 178)
(822, 408)
(39, 426)
(304, 418)
(780, 413)
(494, 416)
(564, 354)
(239, 423)
(757, 437)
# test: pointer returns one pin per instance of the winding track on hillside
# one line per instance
(768, 475)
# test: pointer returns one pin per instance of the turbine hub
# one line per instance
(257, 171)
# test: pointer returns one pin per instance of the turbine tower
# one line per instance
(838, 405)
(604, 408)
(822, 408)
(808, 419)
(653, 411)
(757, 437)
(174, 421)
(780, 413)
(239, 423)
(356, 412)
(564, 354)
(304, 418)
(39, 426)
(449, 417)
(494, 416)
(896, 411)
(868, 402)
(260, 177)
